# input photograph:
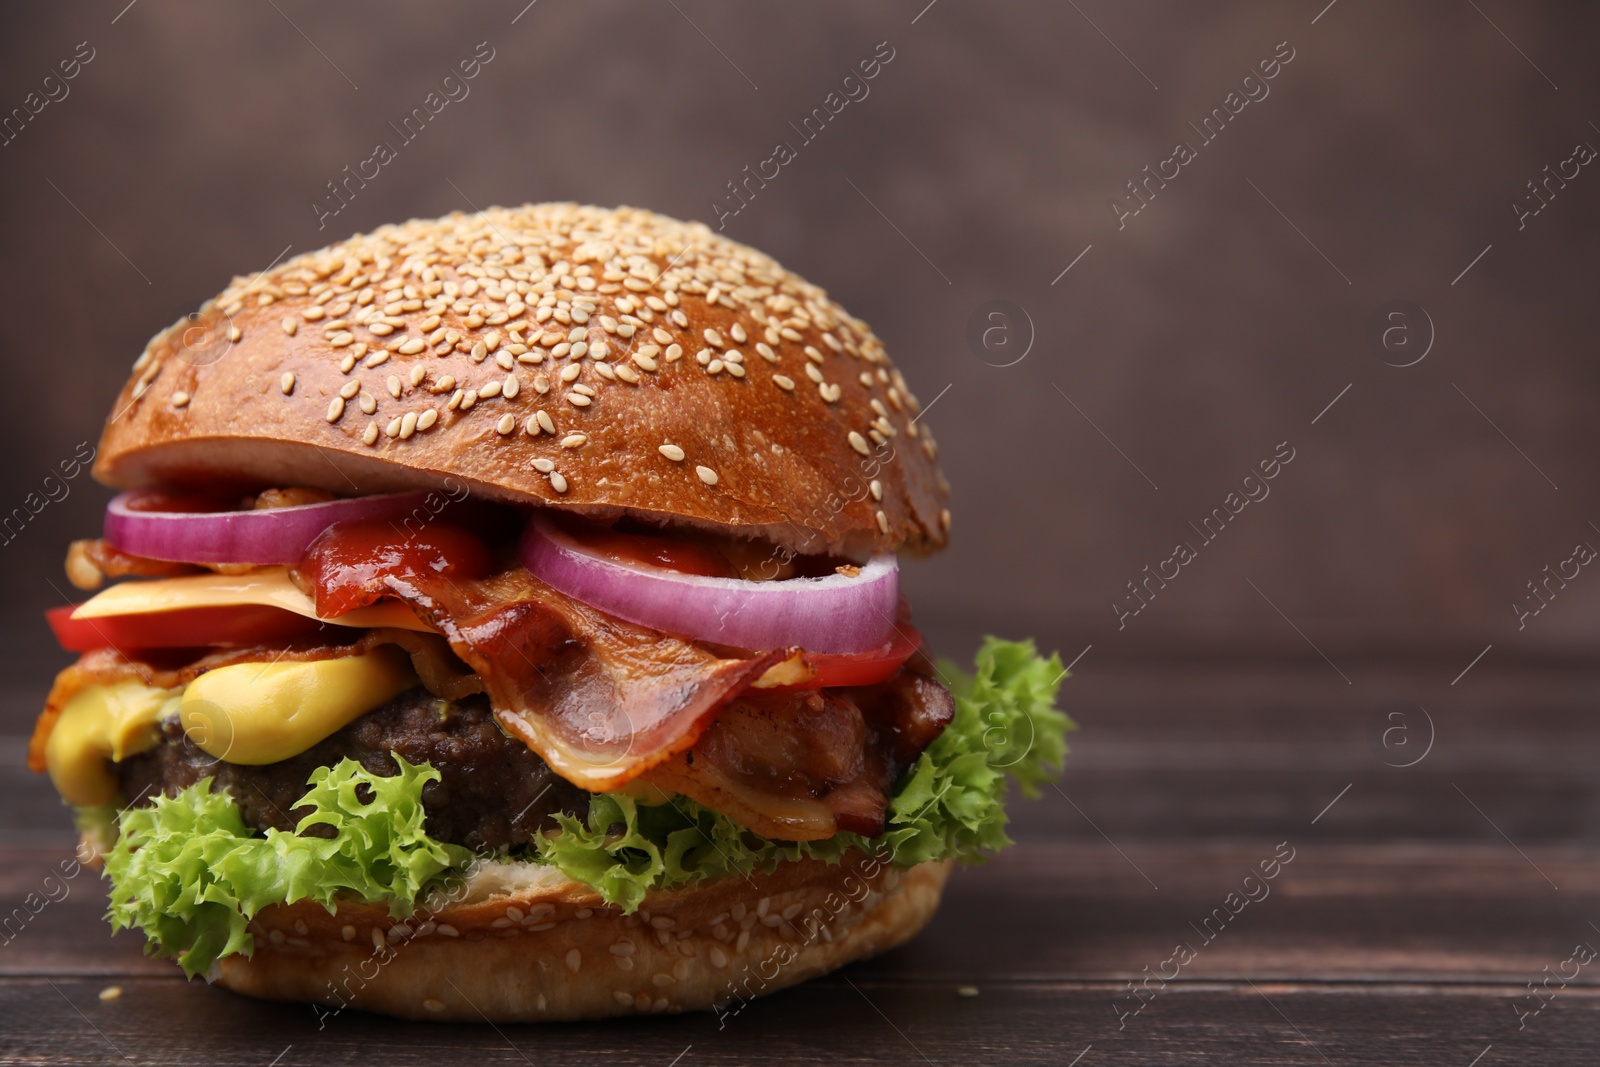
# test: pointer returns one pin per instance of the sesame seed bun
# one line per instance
(522, 944)
(604, 361)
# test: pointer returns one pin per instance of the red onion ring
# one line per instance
(271, 535)
(830, 614)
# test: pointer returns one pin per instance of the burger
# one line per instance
(500, 619)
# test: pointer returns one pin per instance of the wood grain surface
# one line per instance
(1419, 903)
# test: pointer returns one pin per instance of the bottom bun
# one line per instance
(518, 942)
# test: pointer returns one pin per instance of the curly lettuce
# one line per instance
(947, 806)
(190, 874)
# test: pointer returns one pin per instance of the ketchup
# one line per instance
(347, 564)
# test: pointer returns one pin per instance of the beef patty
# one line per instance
(493, 791)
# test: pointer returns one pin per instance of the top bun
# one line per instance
(604, 361)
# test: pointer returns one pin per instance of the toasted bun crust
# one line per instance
(522, 944)
(717, 388)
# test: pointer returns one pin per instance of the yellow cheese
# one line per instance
(257, 713)
(103, 723)
(249, 713)
(270, 587)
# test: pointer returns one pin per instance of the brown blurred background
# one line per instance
(1177, 352)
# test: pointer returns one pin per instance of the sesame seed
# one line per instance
(455, 400)
(672, 452)
(511, 387)
(489, 391)
(583, 390)
(369, 436)
(674, 353)
(784, 382)
(703, 357)
(765, 351)
(507, 423)
(712, 337)
(543, 466)
(342, 339)
(574, 960)
(570, 371)
(739, 336)
(877, 489)
(377, 358)
(350, 388)
(545, 421)
(469, 399)
(789, 334)
(661, 336)
(605, 371)
(558, 483)
(393, 429)
(578, 400)
(335, 408)
(433, 1004)
(680, 318)
(574, 440)
(531, 427)
(289, 326)
(348, 362)
(181, 399)
(707, 475)
(411, 347)
(813, 373)
(234, 334)
(380, 329)
(714, 367)
(830, 393)
(408, 424)
(480, 352)
(735, 369)
(579, 349)
(395, 388)
(426, 420)
(598, 350)
(883, 521)
(111, 992)
(286, 383)
(812, 354)
(859, 443)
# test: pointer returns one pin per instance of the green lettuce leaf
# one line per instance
(190, 874)
(947, 806)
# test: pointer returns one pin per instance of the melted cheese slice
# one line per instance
(269, 587)
(101, 724)
(247, 713)
(254, 713)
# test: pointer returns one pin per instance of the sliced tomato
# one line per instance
(237, 626)
(863, 668)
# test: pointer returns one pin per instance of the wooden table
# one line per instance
(1419, 904)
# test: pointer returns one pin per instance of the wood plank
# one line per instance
(849, 1018)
